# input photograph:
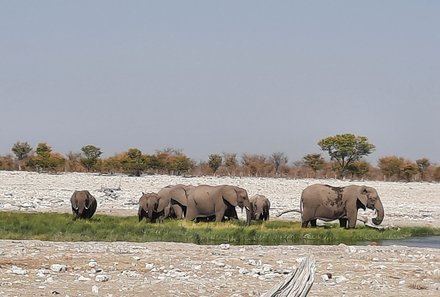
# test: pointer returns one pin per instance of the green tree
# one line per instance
(278, 159)
(214, 162)
(91, 156)
(45, 159)
(358, 168)
(422, 165)
(314, 161)
(135, 162)
(21, 151)
(345, 149)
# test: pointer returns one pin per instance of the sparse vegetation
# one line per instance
(345, 153)
(61, 227)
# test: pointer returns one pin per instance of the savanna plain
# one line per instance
(118, 268)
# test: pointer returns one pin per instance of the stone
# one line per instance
(102, 278)
(58, 267)
(18, 270)
(340, 279)
(95, 290)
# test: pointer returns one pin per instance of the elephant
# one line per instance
(153, 207)
(177, 195)
(319, 201)
(206, 201)
(260, 207)
(83, 204)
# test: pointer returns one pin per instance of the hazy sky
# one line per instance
(221, 76)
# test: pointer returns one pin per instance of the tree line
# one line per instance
(346, 153)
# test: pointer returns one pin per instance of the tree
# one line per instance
(214, 162)
(409, 169)
(422, 165)
(45, 159)
(358, 168)
(314, 161)
(91, 156)
(21, 151)
(345, 149)
(390, 166)
(278, 159)
(135, 162)
(230, 162)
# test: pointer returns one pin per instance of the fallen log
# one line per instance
(297, 283)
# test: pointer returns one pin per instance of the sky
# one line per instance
(213, 77)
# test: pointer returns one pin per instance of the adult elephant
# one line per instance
(260, 207)
(83, 204)
(177, 197)
(207, 201)
(153, 207)
(329, 203)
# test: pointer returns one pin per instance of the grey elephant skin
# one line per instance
(215, 202)
(329, 203)
(153, 207)
(177, 197)
(260, 207)
(83, 204)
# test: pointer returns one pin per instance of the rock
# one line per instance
(95, 290)
(225, 246)
(149, 266)
(101, 278)
(340, 279)
(18, 270)
(58, 267)
(92, 264)
(83, 279)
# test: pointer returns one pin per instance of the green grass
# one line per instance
(61, 227)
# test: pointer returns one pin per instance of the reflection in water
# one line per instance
(424, 242)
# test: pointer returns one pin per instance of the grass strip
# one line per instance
(61, 227)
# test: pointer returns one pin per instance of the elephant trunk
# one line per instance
(249, 211)
(380, 213)
(150, 210)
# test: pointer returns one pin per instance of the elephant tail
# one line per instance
(287, 211)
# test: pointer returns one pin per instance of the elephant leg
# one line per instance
(313, 223)
(219, 215)
(343, 223)
(304, 224)
(178, 212)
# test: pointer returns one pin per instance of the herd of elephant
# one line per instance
(218, 203)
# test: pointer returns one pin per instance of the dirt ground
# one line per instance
(37, 268)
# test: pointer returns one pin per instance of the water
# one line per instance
(423, 242)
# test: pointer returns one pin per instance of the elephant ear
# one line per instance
(230, 195)
(162, 203)
(363, 195)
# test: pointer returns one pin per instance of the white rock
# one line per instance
(101, 278)
(340, 279)
(225, 246)
(18, 270)
(243, 271)
(149, 266)
(83, 279)
(92, 264)
(95, 290)
(325, 277)
(58, 267)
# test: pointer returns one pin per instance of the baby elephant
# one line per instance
(153, 207)
(83, 205)
(260, 207)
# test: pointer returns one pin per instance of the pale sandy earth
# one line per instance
(29, 268)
